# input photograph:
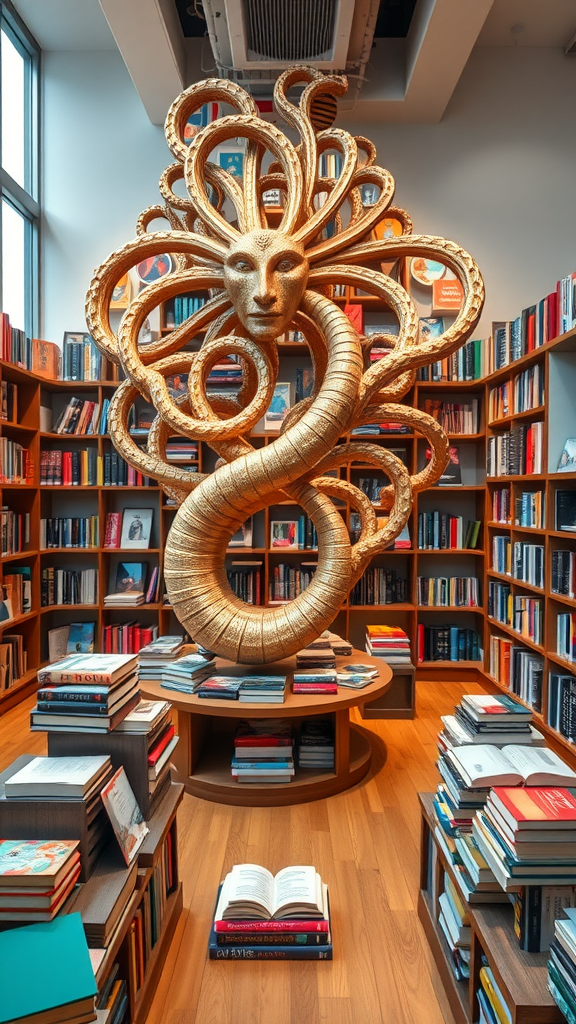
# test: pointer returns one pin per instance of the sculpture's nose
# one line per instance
(264, 293)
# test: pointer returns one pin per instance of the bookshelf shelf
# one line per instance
(526, 414)
(519, 637)
(522, 977)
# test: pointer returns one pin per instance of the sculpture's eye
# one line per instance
(243, 266)
(286, 265)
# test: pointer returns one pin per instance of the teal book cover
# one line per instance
(43, 966)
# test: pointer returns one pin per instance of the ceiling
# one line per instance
(420, 48)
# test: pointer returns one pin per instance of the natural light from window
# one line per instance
(13, 264)
(13, 111)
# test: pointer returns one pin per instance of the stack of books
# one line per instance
(562, 965)
(263, 752)
(356, 676)
(318, 654)
(86, 693)
(388, 642)
(154, 658)
(262, 690)
(316, 680)
(453, 831)
(219, 688)
(36, 877)
(316, 744)
(342, 648)
(485, 718)
(185, 674)
(152, 718)
(454, 921)
(261, 916)
(130, 599)
(523, 832)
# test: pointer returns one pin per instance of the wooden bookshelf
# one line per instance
(521, 977)
(557, 362)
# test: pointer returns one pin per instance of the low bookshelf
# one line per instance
(522, 977)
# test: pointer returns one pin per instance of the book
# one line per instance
(251, 892)
(278, 408)
(54, 777)
(548, 808)
(89, 668)
(487, 765)
(36, 863)
(63, 979)
(567, 460)
(277, 951)
(145, 717)
(81, 638)
(128, 578)
(125, 815)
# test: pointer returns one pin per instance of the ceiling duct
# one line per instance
(253, 41)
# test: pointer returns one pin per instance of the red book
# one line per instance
(228, 927)
(536, 807)
(355, 314)
(161, 745)
(315, 688)
(262, 741)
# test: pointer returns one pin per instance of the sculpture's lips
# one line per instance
(264, 316)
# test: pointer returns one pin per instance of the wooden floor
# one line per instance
(364, 843)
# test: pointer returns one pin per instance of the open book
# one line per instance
(250, 892)
(485, 765)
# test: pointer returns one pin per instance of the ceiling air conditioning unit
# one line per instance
(267, 35)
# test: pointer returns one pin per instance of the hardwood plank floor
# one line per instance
(364, 843)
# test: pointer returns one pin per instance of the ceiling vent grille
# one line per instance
(281, 30)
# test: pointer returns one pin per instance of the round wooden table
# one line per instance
(206, 729)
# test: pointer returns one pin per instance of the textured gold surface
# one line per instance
(264, 282)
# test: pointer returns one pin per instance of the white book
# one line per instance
(486, 765)
(56, 776)
(462, 737)
(144, 716)
(252, 892)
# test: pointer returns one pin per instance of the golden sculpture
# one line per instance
(265, 282)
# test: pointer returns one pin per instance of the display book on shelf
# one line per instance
(128, 911)
(473, 825)
(48, 529)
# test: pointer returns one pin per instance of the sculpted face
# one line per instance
(265, 275)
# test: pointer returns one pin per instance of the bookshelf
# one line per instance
(555, 364)
(521, 977)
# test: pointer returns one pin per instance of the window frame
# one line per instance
(26, 201)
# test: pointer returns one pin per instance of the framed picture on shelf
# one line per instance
(232, 160)
(284, 534)
(121, 294)
(136, 528)
(278, 408)
(243, 536)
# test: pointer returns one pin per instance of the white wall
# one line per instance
(497, 175)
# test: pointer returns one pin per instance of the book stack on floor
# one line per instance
(562, 965)
(185, 674)
(486, 718)
(47, 975)
(152, 719)
(527, 834)
(261, 916)
(315, 680)
(390, 643)
(454, 921)
(156, 657)
(263, 752)
(86, 693)
(36, 878)
(316, 744)
(57, 797)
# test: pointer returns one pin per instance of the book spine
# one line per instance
(271, 926)
(269, 953)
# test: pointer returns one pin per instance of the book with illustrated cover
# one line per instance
(81, 638)
(567, 461)
(125, 815)
(89, 668)
(136, 527)
(40, 863)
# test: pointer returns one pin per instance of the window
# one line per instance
(19, 208)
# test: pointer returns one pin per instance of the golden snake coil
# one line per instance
(264, 282)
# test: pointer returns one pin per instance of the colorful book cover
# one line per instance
(537, 804)
(36, 859)
(125, 815)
